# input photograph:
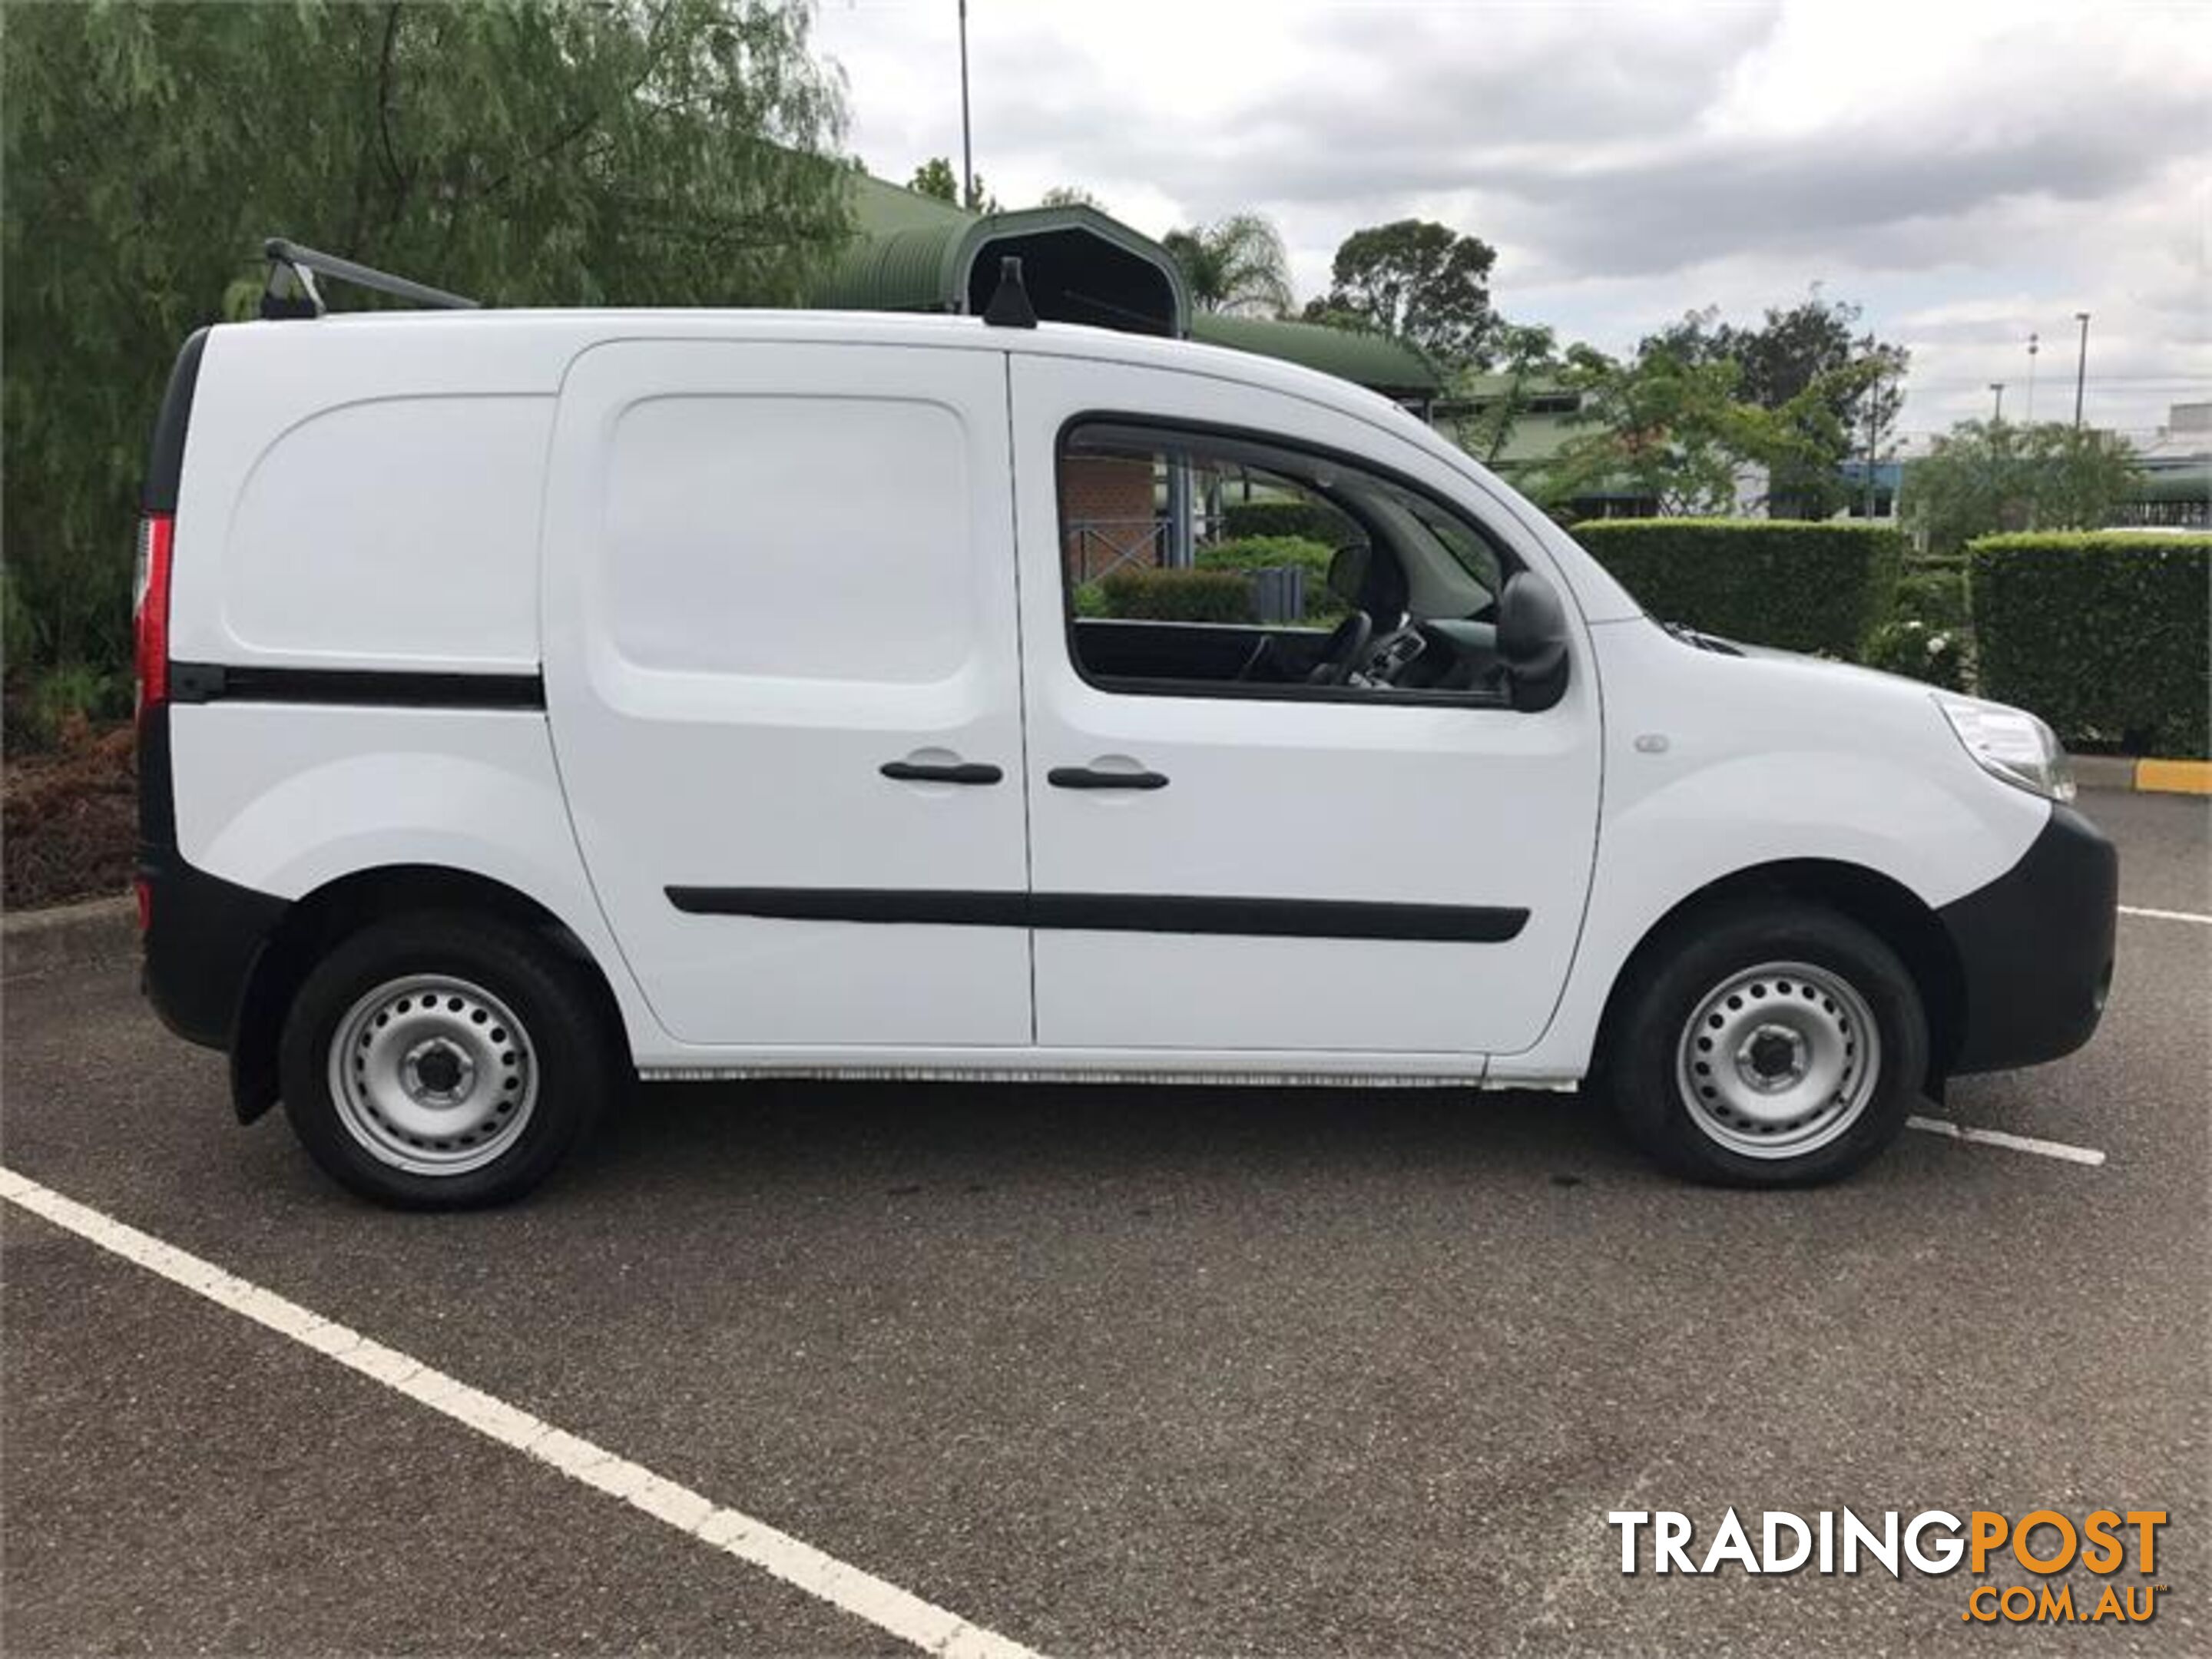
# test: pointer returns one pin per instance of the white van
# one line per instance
(533, 700)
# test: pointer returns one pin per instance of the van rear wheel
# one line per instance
(443, 1061)
(1768, 1045)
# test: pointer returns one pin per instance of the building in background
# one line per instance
(2174, 473)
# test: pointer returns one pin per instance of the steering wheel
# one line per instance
(1345, 650)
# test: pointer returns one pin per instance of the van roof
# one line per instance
(567, 329)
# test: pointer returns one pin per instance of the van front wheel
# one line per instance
(443, 1061)
(1767, 1046)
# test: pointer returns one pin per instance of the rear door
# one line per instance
(781, 666)
(1281, 867)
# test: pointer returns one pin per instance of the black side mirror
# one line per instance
(1532, 641)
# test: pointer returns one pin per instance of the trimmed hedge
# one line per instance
(1316, 521)
(2107, 637)
(1207, 596)
(1253, 553)
(1803, 586)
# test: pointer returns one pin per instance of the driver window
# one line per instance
(1209, 563)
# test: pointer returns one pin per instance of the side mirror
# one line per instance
(1532, 641)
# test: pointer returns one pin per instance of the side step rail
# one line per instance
(292, 291)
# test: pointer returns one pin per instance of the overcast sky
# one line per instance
(1966, 173)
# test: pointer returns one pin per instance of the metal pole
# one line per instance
(967, 146)
(2034, 346)
(2080, 367)
(1873, 434)
(1997, 386)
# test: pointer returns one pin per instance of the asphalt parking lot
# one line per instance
(1107, 1369)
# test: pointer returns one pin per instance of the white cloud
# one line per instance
(1968, 173)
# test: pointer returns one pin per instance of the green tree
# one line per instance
(1659, 427)
(673, 152)
(935, 178)
(1990, 475)
(1236, 265)
(1418, 282)
(1526, 356)
(1070, 196)
(1835, 390)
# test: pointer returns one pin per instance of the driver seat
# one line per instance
(1371, 582)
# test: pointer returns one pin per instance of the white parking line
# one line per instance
(2166, 915)
(2059, 1149)
(864, 1595)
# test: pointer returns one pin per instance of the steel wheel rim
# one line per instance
(1778, 1060)
(432, 1075)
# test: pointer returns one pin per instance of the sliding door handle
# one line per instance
(948, 772)
(1087, 777)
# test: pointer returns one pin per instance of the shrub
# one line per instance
(1207, 596)
(1804, 586)
(1920, 651)
(62, 703)
(2107, 637)
(1935, 595)
(1090, 600)
(1310, 520)
(1252, 553)
(1266, 552)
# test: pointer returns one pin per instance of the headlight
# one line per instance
(2010, 743)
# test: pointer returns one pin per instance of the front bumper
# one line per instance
(2035, 949)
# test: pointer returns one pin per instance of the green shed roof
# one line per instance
(2191, 480)
(913, 252)
(1369, 360)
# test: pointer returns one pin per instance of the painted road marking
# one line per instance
(2167, 915)
(797, 1563)
(2059, 1149)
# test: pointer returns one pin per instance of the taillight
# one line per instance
(150, 607)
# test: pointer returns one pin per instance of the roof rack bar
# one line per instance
(292, 291)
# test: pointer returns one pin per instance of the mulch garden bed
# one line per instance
(68, 820)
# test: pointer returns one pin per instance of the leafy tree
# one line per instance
(935, 178)
(528, 152)
(1661, 426)
(1990, 475)
(1418, 282)
(1070, 196)
(1837, 389)
(1236, 265)
(1527, 355)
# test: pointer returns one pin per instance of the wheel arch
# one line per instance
(314, 923)
(1896, 915)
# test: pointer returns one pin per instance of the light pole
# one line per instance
(2034, 346)
(1998, 417)
(967, 146)
(2080, 367)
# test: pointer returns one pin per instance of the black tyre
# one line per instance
(444, 1060)
(1766, 1044)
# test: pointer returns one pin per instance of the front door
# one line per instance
(781, 668)
(1225, 856)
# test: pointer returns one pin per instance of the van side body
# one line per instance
(661, 635)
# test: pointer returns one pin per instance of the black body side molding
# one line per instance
(1113, 913)
(376, 688)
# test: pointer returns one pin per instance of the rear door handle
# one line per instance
(950, 772)
(1086, 777)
